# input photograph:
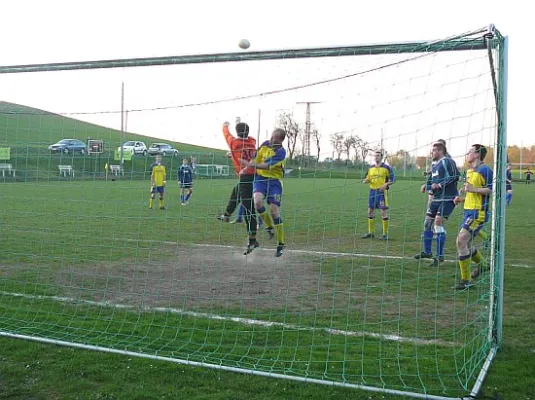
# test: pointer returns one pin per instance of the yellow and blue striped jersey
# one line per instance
(158, 174)
(274, 156)
(380, 174)
(479, 177)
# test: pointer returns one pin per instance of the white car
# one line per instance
(134, 147)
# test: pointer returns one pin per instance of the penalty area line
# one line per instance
(239, 320)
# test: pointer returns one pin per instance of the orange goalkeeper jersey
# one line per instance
(240, 148)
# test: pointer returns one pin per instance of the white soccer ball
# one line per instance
(244, 44)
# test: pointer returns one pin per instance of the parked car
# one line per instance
(163, 149)
(67, 146)
(134, 147)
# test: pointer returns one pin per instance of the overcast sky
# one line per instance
(444, 95)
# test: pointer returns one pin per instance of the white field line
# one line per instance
(244, 321)
(288, 250)
(301, 251)
(522, 266)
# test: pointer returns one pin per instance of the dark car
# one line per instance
(163, 149)
(67, 146)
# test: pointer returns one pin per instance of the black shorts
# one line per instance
(185, 185)
(245, 188)
(441, 208)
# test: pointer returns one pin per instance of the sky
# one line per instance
(445, 95)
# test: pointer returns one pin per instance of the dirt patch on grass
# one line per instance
(199, 277)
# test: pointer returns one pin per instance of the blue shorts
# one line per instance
(441, 208)
(473, 220)
(270, 188)
(158, 189)
(185, 185)
(508, 187)
(378, 199)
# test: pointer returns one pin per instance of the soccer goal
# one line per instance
(86, 263)
(212, 170)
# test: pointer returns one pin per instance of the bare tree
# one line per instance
(337, 141)
(361, 148)
(316, 136)
(348, 144)
(287, 122)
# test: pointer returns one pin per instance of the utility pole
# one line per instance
(122, 125)
(258, 132)
(306, 139)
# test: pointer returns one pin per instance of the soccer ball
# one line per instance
(244, 44)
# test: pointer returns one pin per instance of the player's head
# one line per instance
(278, 136)
(378, 157)
(242, 130)
(476, 152)
(438, 150)
(158, 159)
(508, 166)
(184, 161)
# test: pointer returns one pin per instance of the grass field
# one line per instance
(88, 262)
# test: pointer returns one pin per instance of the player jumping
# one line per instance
(269, 166)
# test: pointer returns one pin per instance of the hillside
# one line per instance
(29, 131)
(22, 126)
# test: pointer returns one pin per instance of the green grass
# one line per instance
(74, 250)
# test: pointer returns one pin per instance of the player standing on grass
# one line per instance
(242, 147)
(509, 185)
(269, 166)
(380, 177)
(478, 188)
(528, 176)
(185, 182)
(157, 182)
(441, 186)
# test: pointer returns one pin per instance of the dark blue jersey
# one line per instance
(509, 180)
(185, 174)
(446, 174)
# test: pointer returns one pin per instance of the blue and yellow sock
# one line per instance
(464, 266)
(266, 217)
(386, 224)
(482, 235)
(476, 257)
(371, 225)
(279, 230)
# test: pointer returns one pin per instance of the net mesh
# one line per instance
(85, 261)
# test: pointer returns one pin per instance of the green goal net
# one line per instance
(86, 263)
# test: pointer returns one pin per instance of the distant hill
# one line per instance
(29, 131)
(22, 126)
